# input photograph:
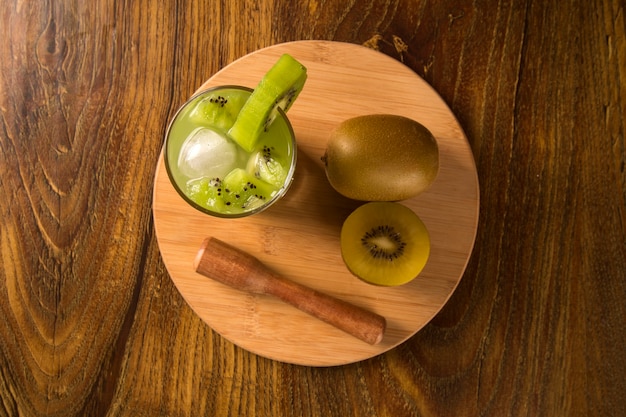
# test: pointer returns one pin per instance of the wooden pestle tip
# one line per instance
(380, 336)
(200, 254)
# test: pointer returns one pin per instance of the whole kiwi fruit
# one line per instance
(381, 157)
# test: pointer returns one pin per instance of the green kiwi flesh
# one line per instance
(384, 243)
(266, 165)
(236, 193)
(278, 89)
(217, 110)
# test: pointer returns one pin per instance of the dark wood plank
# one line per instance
(91, 324)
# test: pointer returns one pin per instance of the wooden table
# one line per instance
(91, 323)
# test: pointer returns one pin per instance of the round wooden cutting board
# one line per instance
(298, 237)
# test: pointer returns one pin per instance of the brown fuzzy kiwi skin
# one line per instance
(381, 157)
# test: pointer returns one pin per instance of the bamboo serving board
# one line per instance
(298, 237)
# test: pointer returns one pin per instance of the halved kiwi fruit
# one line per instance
(384, 243)
(278, 89)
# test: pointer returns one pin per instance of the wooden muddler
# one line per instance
(235, 268)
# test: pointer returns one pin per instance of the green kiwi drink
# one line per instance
(230, 151)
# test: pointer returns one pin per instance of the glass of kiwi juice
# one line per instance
(217, 175)
(230, 151)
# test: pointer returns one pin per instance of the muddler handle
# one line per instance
(224, 263)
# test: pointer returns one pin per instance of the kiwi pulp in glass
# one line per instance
(230, 151)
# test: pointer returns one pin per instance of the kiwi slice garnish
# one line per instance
(278, 89)
(384, 243)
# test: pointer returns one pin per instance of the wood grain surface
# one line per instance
(91, 323)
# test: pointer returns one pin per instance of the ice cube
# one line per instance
(207, 153)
